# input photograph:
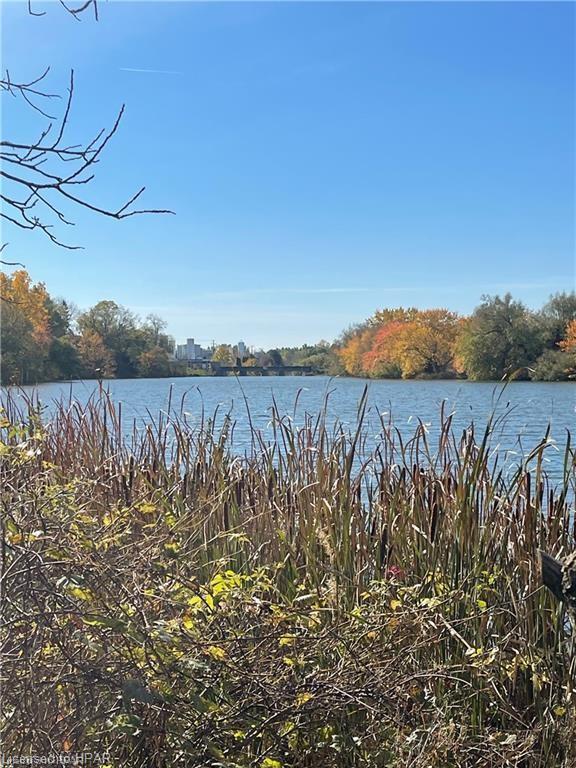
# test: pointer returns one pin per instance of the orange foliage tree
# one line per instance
(568, 346)
(353, 351)
(382, 359)
(404, 342)
(568, 343)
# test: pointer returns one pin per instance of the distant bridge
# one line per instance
(260, 370)
(220, 369)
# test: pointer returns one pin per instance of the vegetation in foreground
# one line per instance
(44, 339)
(170, 603)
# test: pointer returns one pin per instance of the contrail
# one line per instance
(151, 71)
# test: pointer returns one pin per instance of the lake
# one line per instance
(525, 408)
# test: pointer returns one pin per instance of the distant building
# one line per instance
(191, 351)
(242, 350)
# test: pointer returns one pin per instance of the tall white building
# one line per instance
(191, 351)
(242, 350)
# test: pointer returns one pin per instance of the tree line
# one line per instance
(502, 337)
(46, 339)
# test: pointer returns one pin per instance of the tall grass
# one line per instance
(313, 602)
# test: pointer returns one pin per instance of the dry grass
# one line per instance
(312, 604)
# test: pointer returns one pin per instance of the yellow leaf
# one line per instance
(268, 762)
(302, 698)
(217, 653)
(559, 711)
(146, 508)
(80, 594)
(395, 604)
(188, 622)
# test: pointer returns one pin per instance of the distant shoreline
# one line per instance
(420, 379)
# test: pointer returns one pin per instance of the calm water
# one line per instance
(526, 408)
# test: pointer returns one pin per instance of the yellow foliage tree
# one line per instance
(26, 335)
(223, 354)
(427, 343)
(30, 299)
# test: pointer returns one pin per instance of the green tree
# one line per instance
(552, 365)
(20, 354)
(110, 321)
(274, 358)
(64, 361)
(556, 315)
(500, 338)
(156, 326)
(154, 363)
(118, 330)
(322, 357)
(59, 317)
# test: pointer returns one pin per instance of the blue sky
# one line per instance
(323, 159)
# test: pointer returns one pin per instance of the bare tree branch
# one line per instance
(47, 188)
(9, 263)
(75, 11)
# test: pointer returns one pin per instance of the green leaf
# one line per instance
(104, 621)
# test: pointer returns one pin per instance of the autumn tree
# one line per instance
(96, 359)
(568, 343)
(353, 345)
(412, 343)
(568, 349)
(25, 328)
(426, 344)
(223, 354)
(391, 315)
(382, 359)
(42, 340)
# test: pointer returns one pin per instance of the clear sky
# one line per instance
(323, 159)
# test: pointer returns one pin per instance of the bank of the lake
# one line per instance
(307, 587)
